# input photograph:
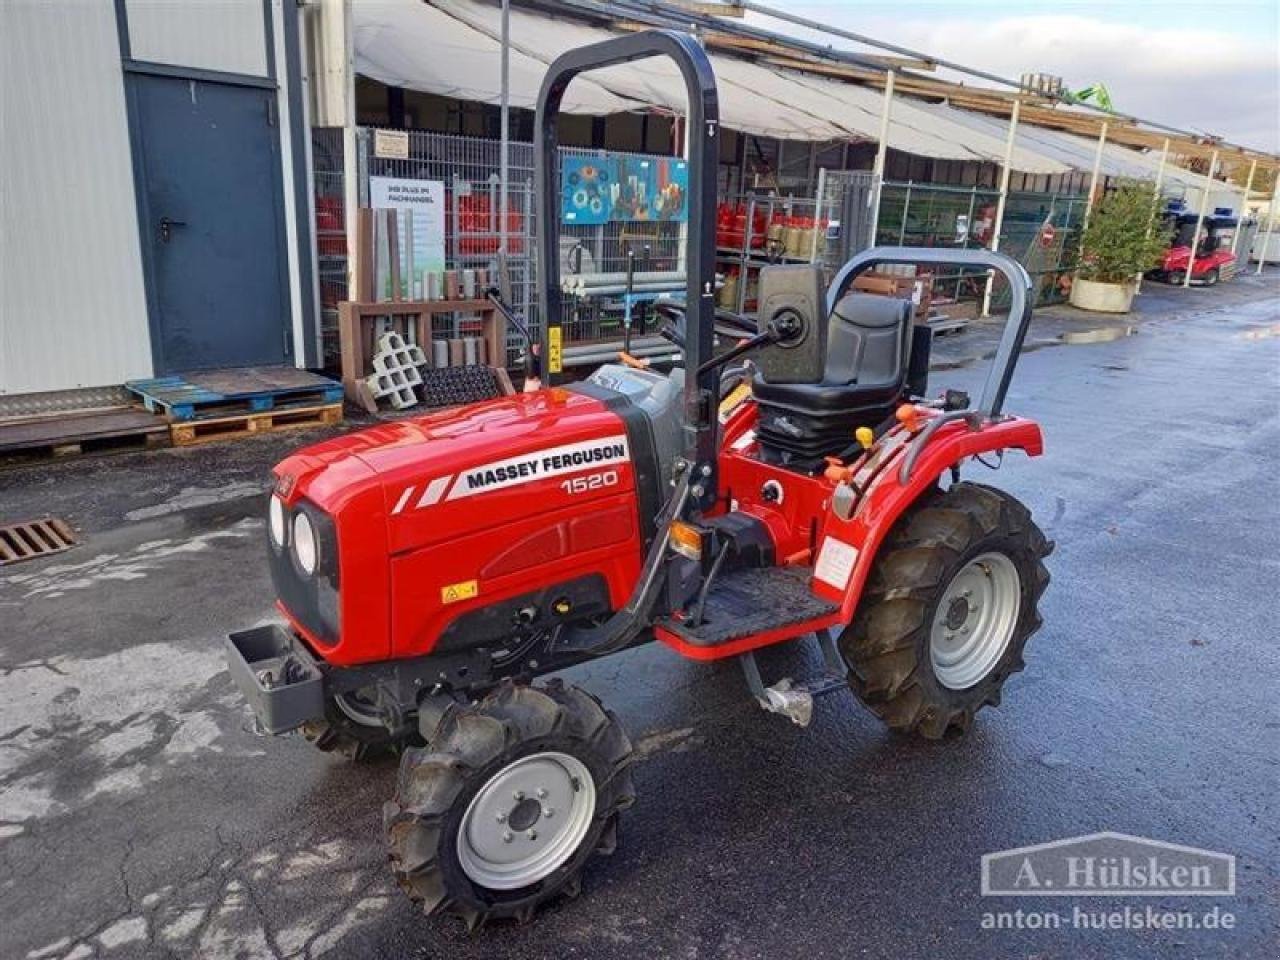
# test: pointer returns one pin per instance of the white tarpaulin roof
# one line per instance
(451, 48)
(753, 98)
(418, 47)
(1078, 152)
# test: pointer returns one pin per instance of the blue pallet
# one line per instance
(181, 399)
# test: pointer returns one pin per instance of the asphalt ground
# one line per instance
(141, 816)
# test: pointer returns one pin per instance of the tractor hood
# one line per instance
(457, 472)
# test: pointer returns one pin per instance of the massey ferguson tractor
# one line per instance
(797, 487)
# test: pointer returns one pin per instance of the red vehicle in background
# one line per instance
(1214, 258)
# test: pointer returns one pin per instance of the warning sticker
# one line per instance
(835, 563)
(555, 352)
(465, 590)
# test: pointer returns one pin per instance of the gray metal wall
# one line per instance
(227, 35)
(72, 310)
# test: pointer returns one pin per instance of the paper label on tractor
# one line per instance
(835, 563)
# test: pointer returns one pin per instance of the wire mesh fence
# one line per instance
(474, 232)
(1040, 230)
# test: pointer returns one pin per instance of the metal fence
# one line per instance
(1040, 230)
(469, 168)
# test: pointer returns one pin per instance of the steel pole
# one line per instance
(1005, 171)
(350, 162)
(1204, 208)
(1155, 201)
(1248, 185)
(504, 170)
(1271, 223)
(1094, 177)
(882, 152)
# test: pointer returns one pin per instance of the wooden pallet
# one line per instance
(101, 431)
(188, 432)
(217, 394)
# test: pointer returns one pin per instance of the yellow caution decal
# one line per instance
(734, 400)
(465, 590)
(555, 355)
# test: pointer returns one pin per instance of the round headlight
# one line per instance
(305, 548)
(276, 521)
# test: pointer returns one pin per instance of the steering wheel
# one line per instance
(732, 326)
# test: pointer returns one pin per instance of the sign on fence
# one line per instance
(425, 199)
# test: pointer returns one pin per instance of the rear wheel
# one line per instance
(501, 811)
(947, 609)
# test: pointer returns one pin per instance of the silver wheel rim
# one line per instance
(975, 620)
(359, 708)
(526, 821)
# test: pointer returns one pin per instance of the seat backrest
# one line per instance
(868, 341)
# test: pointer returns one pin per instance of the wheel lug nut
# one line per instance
(548, 812)
(519, 794)
(542, 793)
(501, 818)
(506, 836)
(532, 834)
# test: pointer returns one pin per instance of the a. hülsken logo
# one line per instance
(1108, 865)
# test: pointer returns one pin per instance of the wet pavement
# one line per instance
(141, 817)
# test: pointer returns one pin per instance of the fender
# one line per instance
(886, 498)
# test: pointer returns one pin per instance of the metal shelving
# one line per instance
(750, 256)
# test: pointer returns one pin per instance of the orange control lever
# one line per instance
(836, 471)
(634, 363)
(911, 417)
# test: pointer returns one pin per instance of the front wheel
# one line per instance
(353, 727)
(1211, 277)
(501, 811)
(947, 610)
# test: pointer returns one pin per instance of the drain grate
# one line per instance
(35, 538)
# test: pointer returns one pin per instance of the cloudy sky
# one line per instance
(1212, 66)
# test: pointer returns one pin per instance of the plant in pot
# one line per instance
(1121, 241)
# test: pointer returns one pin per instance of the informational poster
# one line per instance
(609, 188)
(419, 238)
(391, 144)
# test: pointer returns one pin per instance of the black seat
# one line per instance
(869, 340)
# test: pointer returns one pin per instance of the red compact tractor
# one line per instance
(1213, 259)
(429, 569)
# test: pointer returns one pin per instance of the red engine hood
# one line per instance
(454, 473)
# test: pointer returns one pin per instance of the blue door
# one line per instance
(208, 166)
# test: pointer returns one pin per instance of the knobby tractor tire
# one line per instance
(887, 646)
(472, 744)
(338, 733)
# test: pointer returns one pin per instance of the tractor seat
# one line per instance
(864, 378)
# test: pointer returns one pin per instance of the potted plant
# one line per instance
(1121, 241)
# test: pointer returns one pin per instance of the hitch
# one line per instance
(795, 700)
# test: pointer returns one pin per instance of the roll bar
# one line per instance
(700, 391)
(1020, 307)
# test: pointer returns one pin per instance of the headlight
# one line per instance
(305, 549)
(277, 522)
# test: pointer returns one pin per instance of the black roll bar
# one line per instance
(702, 131)
(1020, 306)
